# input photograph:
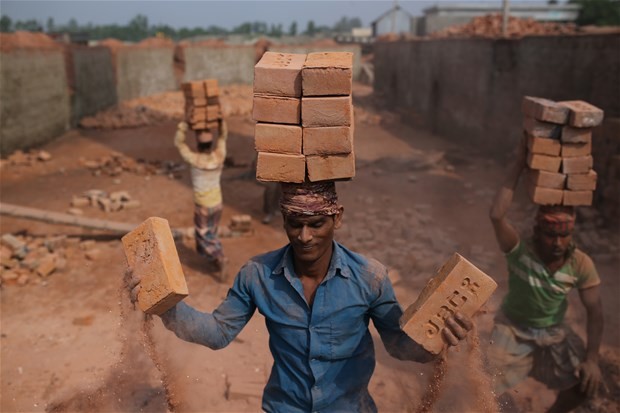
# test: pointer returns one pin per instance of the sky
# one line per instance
(202, 13)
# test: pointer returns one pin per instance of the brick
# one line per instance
(195, 102)
(330, 167)
(213, 113)
(540, 129)
(211, 89)
(327, 74)
(583, 114)
(577, 164)
(194, 89)
(546, 179)
(576, 135)
(326, 111)
(279, 74)
(544, 162)
(278, 167)
(582, 182)
(576, 149)
(544, 196)
(544, 110)
(213, 126)
(328, 141)
(274, 109)
(457, 286)
(577, 198)
(544, 146)
(269, 137)
(152, 255)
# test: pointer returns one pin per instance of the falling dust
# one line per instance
(131, 384)
(470, 389)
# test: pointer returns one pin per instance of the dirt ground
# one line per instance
(70, 342)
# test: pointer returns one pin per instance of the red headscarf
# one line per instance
(559, 219)
(309, 198)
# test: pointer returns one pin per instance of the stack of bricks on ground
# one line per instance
(30, 260)
(559, 141)
(304, 115)
(202, 105)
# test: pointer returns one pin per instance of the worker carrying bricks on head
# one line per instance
(317, 297)
(206, 170)
(530, 337)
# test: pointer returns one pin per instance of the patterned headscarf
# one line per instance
(558, 219)
(309, 198)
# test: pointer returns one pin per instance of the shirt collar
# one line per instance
(337, 266)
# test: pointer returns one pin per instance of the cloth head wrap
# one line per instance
(309, 198)
(558, 219)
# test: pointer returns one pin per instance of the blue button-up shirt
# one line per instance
(323, 354)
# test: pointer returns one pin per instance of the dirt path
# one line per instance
(415, 200)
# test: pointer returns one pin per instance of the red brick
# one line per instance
(544, 196)
(330, 167)
(577, 198)
(576, 135)
(540, 129)
(279, 74)
(546, 179)
(326, 111)
(576, 149)
(195, 102)
(327, 74)
(544, 162)
(211, 89)
(152, 255)
(576, 165)
(194, 89)
(280, 167)
(271, 137)
(583, 114)
(582, 182)
(274, 109)
(328, 141)
(457, 286)
(214, 113)
(545, 110)
(544, 146)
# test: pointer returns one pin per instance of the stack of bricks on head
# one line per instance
(152, 255)
(559, 141)
(304, 115)
(202, 107)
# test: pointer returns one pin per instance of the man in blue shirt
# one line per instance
(317, 298)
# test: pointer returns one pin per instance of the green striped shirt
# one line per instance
(536, 298)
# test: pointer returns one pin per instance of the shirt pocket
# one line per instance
(348, 327)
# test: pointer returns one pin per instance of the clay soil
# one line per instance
(70, 342)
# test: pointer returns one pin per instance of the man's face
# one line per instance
(552, 244)
(311, 236)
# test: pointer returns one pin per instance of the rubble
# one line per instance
(29, 158)
(27, 259)
(165, 107)
(116, 163)
(490, 26)
(115, 201)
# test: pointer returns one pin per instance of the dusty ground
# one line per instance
(67, 346)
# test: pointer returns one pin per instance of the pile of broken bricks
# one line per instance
(115, 201)
(30, 260)
(559, 159)
(115, 164)
(21, 158)
(304, 115)
(203, 113)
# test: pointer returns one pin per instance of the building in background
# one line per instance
(396, 21)
(442, 15)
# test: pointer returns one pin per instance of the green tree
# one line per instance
(598, 12)
(50, 25)
(138, 27)
(292, 30)
(310, 28)
(6, 24)
(29, 25)
(344, 25)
